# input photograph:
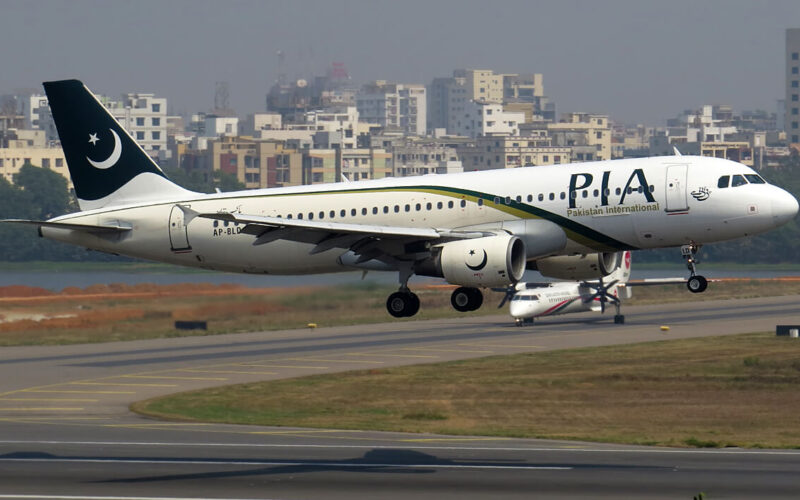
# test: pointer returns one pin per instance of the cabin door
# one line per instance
(676, 188)
(178, 237)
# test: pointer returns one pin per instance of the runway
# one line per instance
(66, 430)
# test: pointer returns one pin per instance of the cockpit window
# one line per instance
(755, 179)
(738, 180)
(723, 181)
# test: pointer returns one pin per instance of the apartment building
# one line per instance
(792, 101)
(394, 106)
(30, 146)
(588, 135)
(486, 118)
(486, 153)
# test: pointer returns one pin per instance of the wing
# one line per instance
(655, 281)
(385, 243)
(88, 228)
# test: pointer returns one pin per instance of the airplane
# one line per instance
(534, 300)
(474, 229)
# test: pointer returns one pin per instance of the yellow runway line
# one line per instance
(285, 366)
(51, 399)
(444, 350)
(391, 355)
(122, 384)
(79, 392)
(227, 371)
(504, 346)
(221, 379)
(41, 409)
(338, 360)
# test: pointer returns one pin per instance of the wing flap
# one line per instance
(88, 228)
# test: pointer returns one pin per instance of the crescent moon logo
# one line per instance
(111, 160)
(481, 265)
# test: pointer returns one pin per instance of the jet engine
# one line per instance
(478, 262)
(580, 267)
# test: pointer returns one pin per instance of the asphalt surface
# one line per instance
(67, 433)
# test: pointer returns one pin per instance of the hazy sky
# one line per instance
(639, 61)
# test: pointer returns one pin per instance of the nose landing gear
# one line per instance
(696, 283)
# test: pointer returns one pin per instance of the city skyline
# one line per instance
(638, 63)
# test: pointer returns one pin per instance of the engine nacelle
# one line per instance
(482, 262)
(579, 267)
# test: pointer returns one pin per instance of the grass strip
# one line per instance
(705, 392)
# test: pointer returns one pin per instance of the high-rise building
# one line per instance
(792, 102)
(395, 106)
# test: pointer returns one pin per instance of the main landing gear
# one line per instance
(466, 299)
(696, 283)
(405, 303)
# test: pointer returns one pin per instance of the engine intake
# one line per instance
(579, 267)
(479, 262)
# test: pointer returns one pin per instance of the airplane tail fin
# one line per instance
(623, 271)
(106, 165)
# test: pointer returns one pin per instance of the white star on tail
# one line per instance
(93, 139)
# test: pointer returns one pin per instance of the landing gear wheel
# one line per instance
(697, 284)
(466, 299)
(402, 304)
(619, 319)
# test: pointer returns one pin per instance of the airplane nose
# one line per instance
(784, 207)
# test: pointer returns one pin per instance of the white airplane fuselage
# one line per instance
(601, 206)
(558, 298)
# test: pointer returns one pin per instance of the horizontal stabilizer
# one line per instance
(89, 228)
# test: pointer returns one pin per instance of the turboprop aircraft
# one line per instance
(474, 229)
(534, 300)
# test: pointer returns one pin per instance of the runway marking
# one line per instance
(122, 384)
(262, 463)
(391, 355)
(285, 366)
(84, 497)
(475, 344)
(338, 360)
(42, 409)
(77, 392)
(222, 379)
(188, 370)
(51, 399)
(443, 350)
(566, 448)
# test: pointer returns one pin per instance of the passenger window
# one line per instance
(439, 205)
(342, 213)
(450, 204)
(595, 193)
(508, 200)
(374, 210)
(353, 212)
(754, 179)
(541, 197)
(723, 181)
(573, 195)
(585, 193)
(408, 208)
(310, 215)
(480, 202)
(397, 209)
(562, 195)
(322, 215)
(519, 199)
(496, 200)
(428, 205)
(385, 209)
(618, 191)
(288, 216)
(418, 207)
(738, 180)
(300, 216)
(463, 203)
(363, 211)
(552, 196)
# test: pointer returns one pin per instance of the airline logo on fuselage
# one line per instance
(611, 203)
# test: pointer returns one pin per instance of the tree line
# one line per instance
(39, 194)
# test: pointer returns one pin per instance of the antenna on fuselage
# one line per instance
(675, 149)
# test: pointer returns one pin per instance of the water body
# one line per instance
(57, 280)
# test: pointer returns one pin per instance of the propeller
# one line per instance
(509, 292)
(601, 292)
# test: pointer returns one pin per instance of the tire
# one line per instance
(697, 284)
(619, 319)
(461, 299)
(413, 306)
(476, 299)
(398, 304)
